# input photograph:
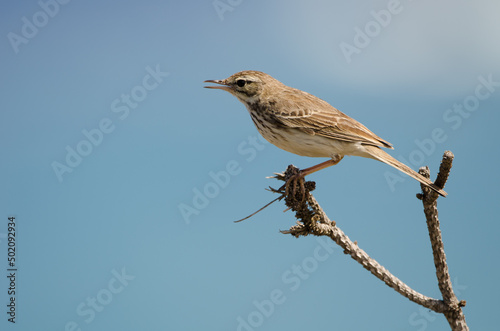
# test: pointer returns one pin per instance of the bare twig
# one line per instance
(321, 225)
(454, 313)
(261, 209)
(313, 220)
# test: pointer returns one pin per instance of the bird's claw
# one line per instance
(291, 187)
(295, 189)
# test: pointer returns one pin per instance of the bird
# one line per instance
(303, 124)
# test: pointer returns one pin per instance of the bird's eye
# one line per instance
(240, 82)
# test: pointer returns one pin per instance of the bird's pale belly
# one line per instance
(301, 143)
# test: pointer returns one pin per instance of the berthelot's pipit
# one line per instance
(303, 124)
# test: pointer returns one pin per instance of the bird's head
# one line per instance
(247, 85)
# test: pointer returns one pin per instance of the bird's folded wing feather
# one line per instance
(317, 117)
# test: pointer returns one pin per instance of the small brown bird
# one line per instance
(303, 124)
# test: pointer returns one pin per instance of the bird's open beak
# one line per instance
(224, 86)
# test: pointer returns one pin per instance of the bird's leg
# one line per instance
(300, 176)
(333, 161)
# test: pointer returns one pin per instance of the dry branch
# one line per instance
(454, 313)
(313, 220)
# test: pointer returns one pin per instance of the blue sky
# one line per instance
(125, 175)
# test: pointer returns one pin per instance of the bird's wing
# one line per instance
(315, 116)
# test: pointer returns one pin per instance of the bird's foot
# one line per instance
(296, 180)
(295, 188)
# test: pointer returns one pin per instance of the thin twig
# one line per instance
(321, 225)
(454, 313)
(313, 220)
(267, 205)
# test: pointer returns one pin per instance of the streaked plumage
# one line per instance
(303, 124)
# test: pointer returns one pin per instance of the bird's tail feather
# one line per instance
(380, 155)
